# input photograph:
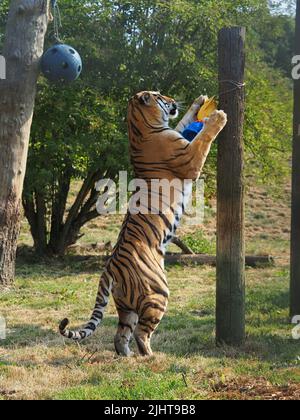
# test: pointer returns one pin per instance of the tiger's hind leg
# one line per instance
(127, 325)
(152, 312)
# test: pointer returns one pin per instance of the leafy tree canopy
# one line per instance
(79, 131)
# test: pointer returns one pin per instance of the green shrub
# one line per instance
(199, 244)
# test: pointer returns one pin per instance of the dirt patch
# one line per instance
(252, 389)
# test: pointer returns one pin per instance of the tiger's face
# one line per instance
(155, 106)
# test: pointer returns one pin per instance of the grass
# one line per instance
(36, 363)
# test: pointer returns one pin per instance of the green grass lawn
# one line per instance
(36, 363)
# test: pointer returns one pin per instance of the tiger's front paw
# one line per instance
(218, 119)
(215, 124)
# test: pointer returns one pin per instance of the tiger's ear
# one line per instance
(145, 99)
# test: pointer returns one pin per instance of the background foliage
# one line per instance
(79, 131)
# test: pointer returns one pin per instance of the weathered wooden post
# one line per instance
(230, 214)
(295, 235)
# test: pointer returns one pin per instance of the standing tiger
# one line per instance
(135, 272)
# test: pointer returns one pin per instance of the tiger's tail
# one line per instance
(104, 291)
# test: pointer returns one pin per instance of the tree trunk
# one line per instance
(59, 203)
(62, 233)
(40, 238)
(23, 48)
(80, 213)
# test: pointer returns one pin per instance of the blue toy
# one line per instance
(61, 63)
(210, 105)
(192, 130)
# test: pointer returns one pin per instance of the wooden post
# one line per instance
(295, 235)
(230, 214)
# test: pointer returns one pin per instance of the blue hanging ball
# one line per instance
(61, 63)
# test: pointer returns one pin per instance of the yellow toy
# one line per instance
(209, 106)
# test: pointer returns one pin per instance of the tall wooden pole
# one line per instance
(295, 236)
(230, 214)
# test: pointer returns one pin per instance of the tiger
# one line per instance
(135, 273)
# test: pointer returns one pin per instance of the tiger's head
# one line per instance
(151, 110)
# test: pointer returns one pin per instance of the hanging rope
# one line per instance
(56, 20)
(237, 86)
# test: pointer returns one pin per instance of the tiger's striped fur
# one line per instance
(135, 272)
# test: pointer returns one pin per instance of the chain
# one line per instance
(56, 20)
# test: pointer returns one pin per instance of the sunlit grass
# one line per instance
(36, 363)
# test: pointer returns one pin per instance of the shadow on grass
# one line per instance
(267, 300)
(197, 337)
(23, 336)
(179, 336)
(56, 266)
(181, 333)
